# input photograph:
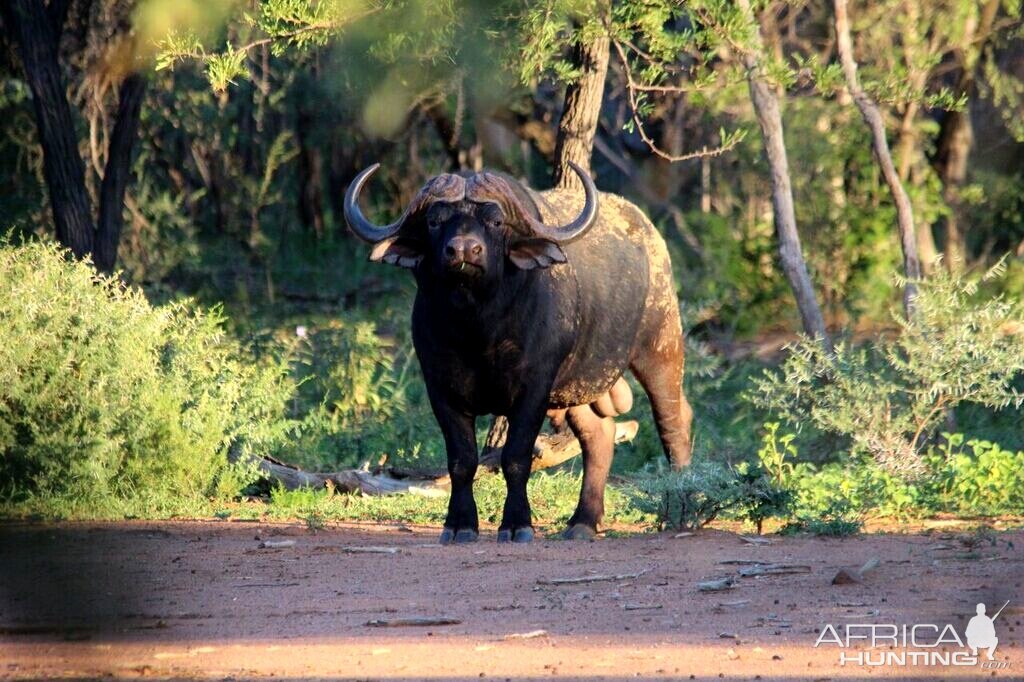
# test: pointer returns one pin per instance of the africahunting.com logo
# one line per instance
(928, 644)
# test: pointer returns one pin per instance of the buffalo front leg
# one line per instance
(597, 439)
(459, 430)
(516, 462)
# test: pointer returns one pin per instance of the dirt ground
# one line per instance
(204, 601)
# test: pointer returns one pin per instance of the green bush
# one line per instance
(360, 397)
(982, 478)
(690, 498)
(836, 521)
(979, 478)
(889, 398)
(107, 402)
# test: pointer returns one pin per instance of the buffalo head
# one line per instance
(466, 227)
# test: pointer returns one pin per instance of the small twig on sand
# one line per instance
(276, 544)
(533, 634)
(590, 578)
(726, 583)
(774, 569)
(410, 622)
(754, 541)
(640, 607)
(733, 604)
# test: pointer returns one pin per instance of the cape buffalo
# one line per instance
(526, 308)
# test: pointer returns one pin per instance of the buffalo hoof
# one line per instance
(450, 535)
(524, 534)
(579, 531)
(466, 535)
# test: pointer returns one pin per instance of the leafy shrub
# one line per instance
(359, 396)
(856, 483)
(836, 521)
(774, 451)
(889, 398)
(108, 402)
(979, 479)
(691, 498)
(764, 497)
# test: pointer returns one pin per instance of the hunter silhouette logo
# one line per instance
(879, 644)
(981, 631)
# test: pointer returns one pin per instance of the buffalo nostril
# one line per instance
(477, 249)
(449, 251)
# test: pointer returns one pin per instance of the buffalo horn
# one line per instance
(583, 222)
(357, 222)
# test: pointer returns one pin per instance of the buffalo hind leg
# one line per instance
(597, 439)
(661, 375)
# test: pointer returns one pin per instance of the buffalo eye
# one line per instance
(437, 216)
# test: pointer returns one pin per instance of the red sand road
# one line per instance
(202, 601)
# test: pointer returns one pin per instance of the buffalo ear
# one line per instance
(398, 251)
(528, 254)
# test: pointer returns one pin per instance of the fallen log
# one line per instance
(347, 480)
(551, 449)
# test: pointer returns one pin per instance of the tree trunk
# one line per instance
(926, 247)
(36, 28)
(311, 199)
(117, 172)
(578, 124)
(873, 118)
(37, 38)
(956, 135)
(766, 108)
(955, 142)
(907, 147)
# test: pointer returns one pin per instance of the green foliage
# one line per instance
(836, 521)
(889, 399)
(108, 402)
(981, 478)
(766, 498)
(767, 479)
(857, 485)
(692, 497)
(546, 30)
(360, 398)
(281, 24)
(160, 238)
(774, 451)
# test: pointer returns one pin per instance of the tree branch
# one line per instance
(631, 89)
(873, 118)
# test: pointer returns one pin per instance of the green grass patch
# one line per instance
(553, 498)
